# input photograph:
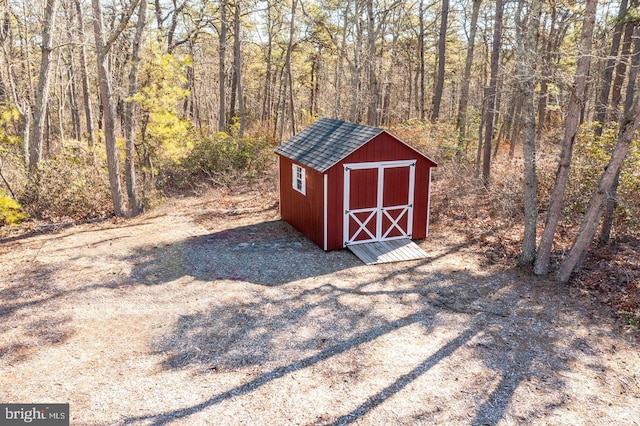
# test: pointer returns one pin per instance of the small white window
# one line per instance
(299, 180)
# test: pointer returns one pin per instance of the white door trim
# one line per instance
(428, 202)
(379, 211)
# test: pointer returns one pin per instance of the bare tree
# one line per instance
(607, 220)
(103, 45)
(237, 67)
(420, 91)
(10, 84)
(222, 63)
(605, 89)
(287, 85)
(135, 204)
(461, 120)
(558, 27)
(628, 127)
(372, 99)
(237, 95)
(621, 66)
(84, 73)
(491, 94)
(356, 64)
(44, 81)
(556, 202)
(266, 97)
(528, 52)
(442, 50)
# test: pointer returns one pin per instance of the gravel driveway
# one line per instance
(211, 310)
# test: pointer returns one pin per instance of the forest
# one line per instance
(530, 108)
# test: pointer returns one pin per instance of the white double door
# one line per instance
(378, 201)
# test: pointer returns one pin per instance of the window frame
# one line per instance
(299, 177)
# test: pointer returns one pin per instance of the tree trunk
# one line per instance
(372, 99)
(135, 204)
(158, 12)
(27, 67)
(515, 128)
(507, 124)
(528, 53)
(71, 84)
(607, 221)
(108, 113)
(356, 67)
(193, 104)
(222, 76)
(237, 68)
(338, 113)
(86, 96)
(315, 83)
(266, 99)
(578, 251)
(605, 89)
(420, 91)
(543, 96)
(341, 58)
(556, 202)
(72, 93)
(491, 95)
(461, 120)
(481, 123)
(558, 28)
(289, 84)
(609, 210)
(4, 29)
(44, 81)
(621, 68)
(442, 49)
(281, 107)
(59, 94)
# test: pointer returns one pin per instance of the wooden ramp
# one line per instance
(387, 251)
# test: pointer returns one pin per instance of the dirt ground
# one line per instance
(210, 310)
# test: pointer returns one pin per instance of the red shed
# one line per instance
(343, 184)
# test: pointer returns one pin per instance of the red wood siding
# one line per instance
(363, 189)
(396, 193)
(304, 212)
(396, 189)
(383, 147)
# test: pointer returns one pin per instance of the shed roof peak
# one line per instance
(326, 142)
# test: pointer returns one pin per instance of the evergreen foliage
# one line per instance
(11, 212)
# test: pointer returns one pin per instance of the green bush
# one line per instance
(69, 186)
(11, 212)
(591, 156)
(219, 160)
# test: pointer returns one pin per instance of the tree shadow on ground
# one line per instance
(514, 334)
(268, 253)
(22, 333)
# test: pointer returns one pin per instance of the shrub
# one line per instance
(219, 160)
(591, 156)
(11, 212)
(69, 186)
(436, 140)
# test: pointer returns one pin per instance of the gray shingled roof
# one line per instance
(326, 142)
